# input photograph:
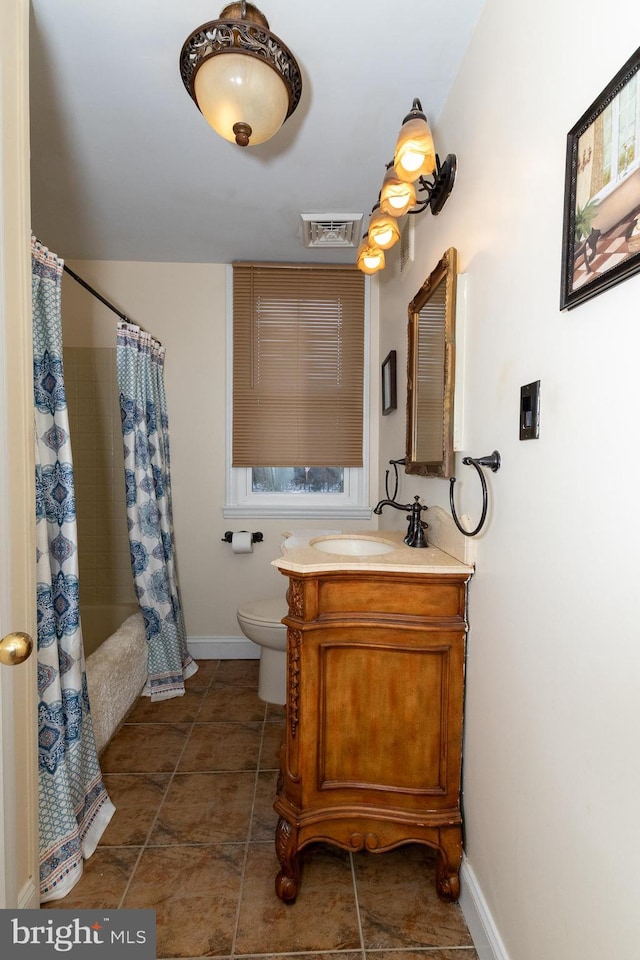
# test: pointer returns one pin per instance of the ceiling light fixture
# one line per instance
(242, 78)
(404, 183)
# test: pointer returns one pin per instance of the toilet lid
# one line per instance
(271, 610)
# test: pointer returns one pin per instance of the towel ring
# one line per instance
(493, 462)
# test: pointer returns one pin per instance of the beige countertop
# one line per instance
(300, 556)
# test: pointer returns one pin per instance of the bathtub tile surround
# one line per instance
(193, 781)
(96, 431)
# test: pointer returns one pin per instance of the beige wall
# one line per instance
(551, 768)
(184, 306)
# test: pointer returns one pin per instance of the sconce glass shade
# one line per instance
(415, 154)
(243, 79)
(370, 257)
(396, 196)
(238, 89)
(383, 229)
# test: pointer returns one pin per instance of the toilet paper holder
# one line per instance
(255, 537)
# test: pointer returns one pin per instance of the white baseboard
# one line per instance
(484, 933)
(223, 648)
(29, 897)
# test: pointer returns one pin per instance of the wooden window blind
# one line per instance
(298, 365)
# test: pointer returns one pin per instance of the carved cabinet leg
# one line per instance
(448, 864)
(287, 852)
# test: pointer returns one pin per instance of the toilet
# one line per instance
(260, 621)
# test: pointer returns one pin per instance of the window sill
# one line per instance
(298, 513)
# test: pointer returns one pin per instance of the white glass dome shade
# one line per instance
(236, 88)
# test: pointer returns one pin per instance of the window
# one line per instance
(297, 479)
(298, 416)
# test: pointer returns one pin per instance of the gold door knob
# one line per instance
(15, 648)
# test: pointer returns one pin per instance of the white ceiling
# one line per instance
(124, 167)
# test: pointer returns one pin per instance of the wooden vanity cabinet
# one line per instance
(371, 756)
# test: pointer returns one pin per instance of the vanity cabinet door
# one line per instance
(387, 730)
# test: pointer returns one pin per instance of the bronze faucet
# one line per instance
(415, 536)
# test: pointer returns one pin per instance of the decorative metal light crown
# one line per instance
(406, 179)
(242, 78)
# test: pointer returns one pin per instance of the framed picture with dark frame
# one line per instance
(601, 232)
(389, 399)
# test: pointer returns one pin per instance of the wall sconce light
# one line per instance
(242, 78)
(404, 183)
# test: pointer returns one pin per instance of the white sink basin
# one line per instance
(353, 546)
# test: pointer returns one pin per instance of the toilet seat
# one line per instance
(265, 612)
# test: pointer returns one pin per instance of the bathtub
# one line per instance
(100, 621)
(116, 664)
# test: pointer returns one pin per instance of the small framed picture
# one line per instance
(389, 383)
(601, 232)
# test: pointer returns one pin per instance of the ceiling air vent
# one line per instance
(331, 229)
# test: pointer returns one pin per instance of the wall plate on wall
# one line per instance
(530, 411)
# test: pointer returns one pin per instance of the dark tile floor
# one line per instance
(193, 780)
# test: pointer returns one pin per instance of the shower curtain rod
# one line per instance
(95, 293)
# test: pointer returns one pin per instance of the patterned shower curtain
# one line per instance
(74, 805)
(145, 431)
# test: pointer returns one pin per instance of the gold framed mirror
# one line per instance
(431, 372)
